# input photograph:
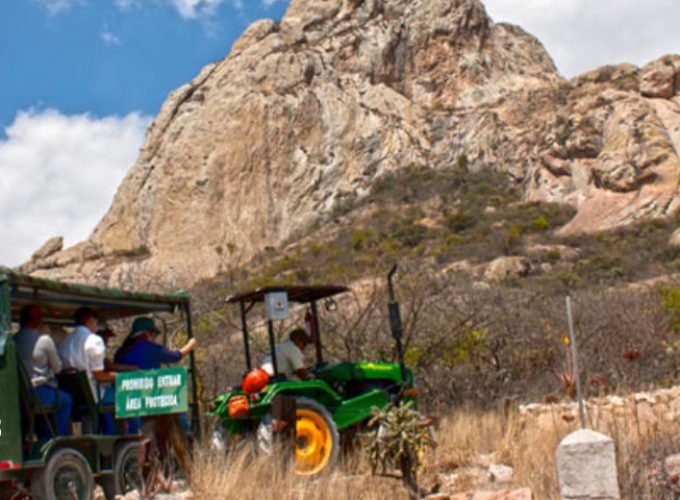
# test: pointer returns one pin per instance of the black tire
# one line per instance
(127, 473)
(67, 476)
(306, 406)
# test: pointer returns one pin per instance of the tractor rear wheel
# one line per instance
(317, 442)
(67, 476)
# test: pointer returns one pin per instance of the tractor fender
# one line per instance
(318, 390)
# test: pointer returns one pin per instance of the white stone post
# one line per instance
(586, 467)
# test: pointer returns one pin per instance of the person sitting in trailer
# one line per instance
(83, 350)
(290, 359)
(38, 355)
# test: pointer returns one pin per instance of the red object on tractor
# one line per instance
(256, 380)
(238, 406)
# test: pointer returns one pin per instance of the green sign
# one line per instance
(151, 392)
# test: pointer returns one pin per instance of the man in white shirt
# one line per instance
(289, 356)
(84, 350)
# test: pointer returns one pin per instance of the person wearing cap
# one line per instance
(141, 350)
(290, 359)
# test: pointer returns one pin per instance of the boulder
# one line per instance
(503, 268)
(50, 247)
(657, 79)
(674, 240)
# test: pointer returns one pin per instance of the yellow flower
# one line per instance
(566, 341)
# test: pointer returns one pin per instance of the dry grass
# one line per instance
(467, 440)
(243, 476)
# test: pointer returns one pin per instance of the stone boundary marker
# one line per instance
(586, 467)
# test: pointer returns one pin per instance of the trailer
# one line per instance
(67, 467)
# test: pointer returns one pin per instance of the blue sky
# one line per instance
(112, 57)
(82, 79)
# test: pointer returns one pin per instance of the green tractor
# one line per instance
(328, 408)
(67, 467)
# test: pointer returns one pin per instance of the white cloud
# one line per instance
(193, 9)
(108, 37)
(187, 9)
(582, 35)
(59, 174)
(56, 6)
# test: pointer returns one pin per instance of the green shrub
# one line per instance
(541, 223)
(670, 299)
(408, 234)
(453, 240)
(364, 238)
(553, 255)
(463, 163)
(459, 221)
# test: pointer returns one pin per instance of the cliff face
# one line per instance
(305, 114)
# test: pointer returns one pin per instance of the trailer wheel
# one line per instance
(67, 476)
(127, 472)
(317, 442)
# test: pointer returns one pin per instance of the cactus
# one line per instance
(399, 438)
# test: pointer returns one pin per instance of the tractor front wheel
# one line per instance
(317, 442)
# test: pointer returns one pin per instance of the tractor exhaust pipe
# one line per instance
(395, 324)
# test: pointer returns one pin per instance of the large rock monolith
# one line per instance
(586, 467)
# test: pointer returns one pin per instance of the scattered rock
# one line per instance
(672, 466)
(674, 240)
(507, 267)
(520, 494)
(501, 474)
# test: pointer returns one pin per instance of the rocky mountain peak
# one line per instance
(305, 114)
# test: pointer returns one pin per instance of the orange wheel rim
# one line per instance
(313, 443)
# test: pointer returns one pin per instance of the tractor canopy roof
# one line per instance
(299, 294)
(59, 300)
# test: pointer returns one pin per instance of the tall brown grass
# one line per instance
(466, 439)
(245, 476)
